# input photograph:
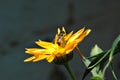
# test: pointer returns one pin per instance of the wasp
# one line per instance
(60, 40)
(60, 37)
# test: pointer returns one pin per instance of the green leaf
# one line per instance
(95, 78)
(112, 53)
(113, 73)
(104, 56)
(98, 59)
(95, 62)
(95, 50)
(116, 42)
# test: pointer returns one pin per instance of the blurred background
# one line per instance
(24, 21)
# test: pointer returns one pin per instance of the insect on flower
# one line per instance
(60, 48)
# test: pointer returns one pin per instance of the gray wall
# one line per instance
(24, 21)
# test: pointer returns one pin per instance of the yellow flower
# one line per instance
(62, 45)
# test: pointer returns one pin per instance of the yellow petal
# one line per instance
(58, 31)
(33, 50)
(70, 47)
(56, 38)
(29, 59)
(83, 35)
(46, 45)
(37, 51)
(87, 32)
(68, 36)
(50, 58)
(63, 29)
(76, 35)
(40, 57)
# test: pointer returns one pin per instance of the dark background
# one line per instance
(24, 21)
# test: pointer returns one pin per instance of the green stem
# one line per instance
(111, 68)
(69, 71)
